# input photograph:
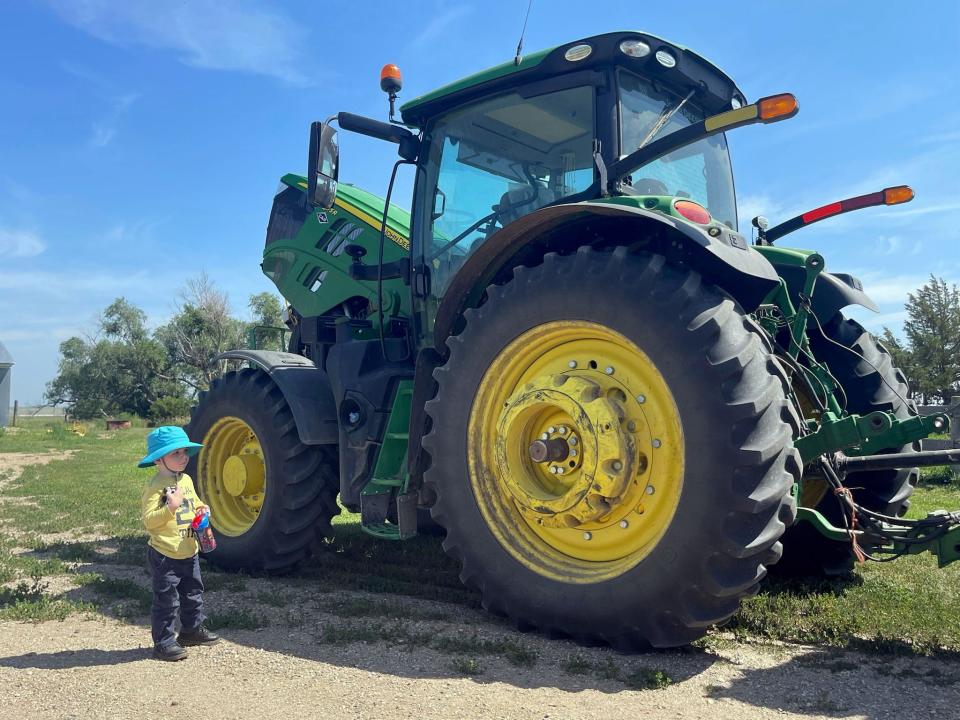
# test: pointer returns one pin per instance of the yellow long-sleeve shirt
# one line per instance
(170, 532)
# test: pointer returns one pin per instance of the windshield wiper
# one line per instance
(668, 112)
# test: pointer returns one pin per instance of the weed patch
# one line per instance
(466, 666)
(236, 619)
(213, 581)
(647, 679)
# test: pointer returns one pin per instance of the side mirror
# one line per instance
(322, 165)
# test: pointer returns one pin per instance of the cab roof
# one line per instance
(691, 70)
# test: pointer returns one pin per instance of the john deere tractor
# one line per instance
(620, 408)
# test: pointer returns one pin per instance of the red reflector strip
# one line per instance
(822, 212)
(862, 201)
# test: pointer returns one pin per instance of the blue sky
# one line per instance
(141, 142)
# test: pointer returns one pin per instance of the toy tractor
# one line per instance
(619, 408)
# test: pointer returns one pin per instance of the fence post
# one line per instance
(15, 406)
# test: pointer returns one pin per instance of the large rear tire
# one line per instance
(271, 497)
(673, 506)
(871, 382)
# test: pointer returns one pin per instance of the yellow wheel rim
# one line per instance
(232, 475)
(575, 451)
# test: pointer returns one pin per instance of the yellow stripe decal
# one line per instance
(731, 117)
(375, 223)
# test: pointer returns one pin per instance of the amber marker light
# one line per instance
(897, 195)
(887, 196)
(778, 107)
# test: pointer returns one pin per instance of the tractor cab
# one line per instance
(506, 142)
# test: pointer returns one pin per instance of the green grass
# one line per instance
(904, 606)
(113, 589)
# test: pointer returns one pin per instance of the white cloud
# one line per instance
(438, 24)
(888, 244)
(876, 323)
(239, 35)
(104, 130)
(20, 243)
(891, 289)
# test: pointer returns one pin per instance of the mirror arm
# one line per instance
(408, 142)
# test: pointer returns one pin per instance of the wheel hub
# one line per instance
(573, 471)
(243, 474)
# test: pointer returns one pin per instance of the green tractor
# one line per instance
(620, 409)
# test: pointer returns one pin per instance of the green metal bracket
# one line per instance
(390, 479)
(903, 540)
(257, 331)
(821, 524)
(904, 431)
(865, 434)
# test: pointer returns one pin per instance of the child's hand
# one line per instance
(175, 499)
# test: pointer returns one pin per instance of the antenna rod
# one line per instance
(516, 60)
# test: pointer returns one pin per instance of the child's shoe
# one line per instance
(171, 653)
(200, 636)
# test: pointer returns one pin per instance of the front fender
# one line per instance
(305, 387)
(726, 260)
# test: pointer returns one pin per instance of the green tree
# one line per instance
(120, 370)
(266, 310)
(902, 358)
(933, 330)
(200, 329)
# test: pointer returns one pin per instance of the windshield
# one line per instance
(700, 171)
(499, 159)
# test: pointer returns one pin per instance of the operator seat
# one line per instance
(522, 200)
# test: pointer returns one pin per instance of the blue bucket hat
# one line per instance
(165, 440)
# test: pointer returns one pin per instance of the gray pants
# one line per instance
(176, 585)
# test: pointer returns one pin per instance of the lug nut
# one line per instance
(656, 442)
(572, 364)
(650, 490)
(608, 370)
(563, 430)
(573, 453)
(560, 471)
(544, 436)
(641, 399)
(617, 465)
(624, 524)
(572, 440)
(551, 429)
(588, 536)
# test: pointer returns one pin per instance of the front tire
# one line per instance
(271, 497)
(672, 510)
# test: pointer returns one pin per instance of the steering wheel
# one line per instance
(650, 186)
